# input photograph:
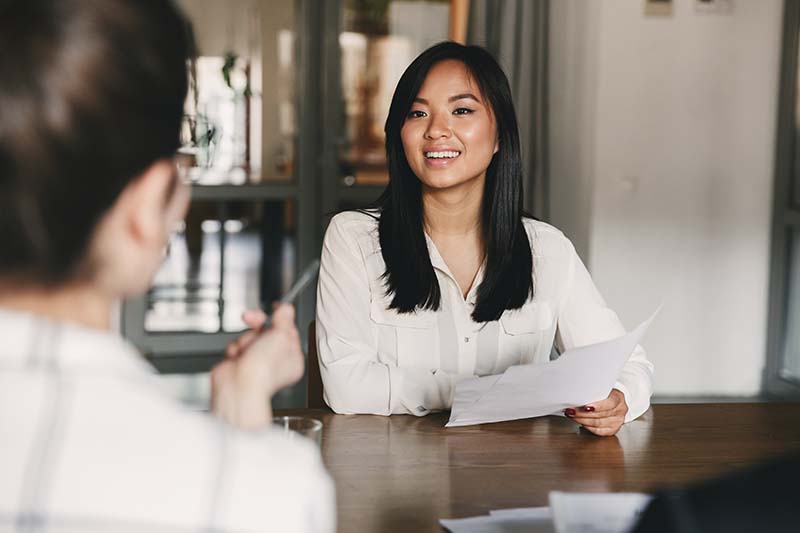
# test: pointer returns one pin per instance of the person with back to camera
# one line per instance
(91, 99)
(445, 277)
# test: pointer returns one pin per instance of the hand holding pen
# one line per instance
(260, 362)
(308, 275)
(259, 321)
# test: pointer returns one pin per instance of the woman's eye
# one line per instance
(462, 111)
(416, 114)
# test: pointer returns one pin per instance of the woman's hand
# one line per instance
(602, 418)
(256, 366)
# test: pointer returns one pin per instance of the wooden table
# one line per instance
(403, 473)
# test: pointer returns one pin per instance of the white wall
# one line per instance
(667, 127)
(572, 101)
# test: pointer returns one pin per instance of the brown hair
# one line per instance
(91, 94)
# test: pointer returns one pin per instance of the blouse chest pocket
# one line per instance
(404, 339)
(407, 339)
(527, 334)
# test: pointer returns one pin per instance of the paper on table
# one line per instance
(542, 513)
(570, 512)
(579, 376)
(596, 512)
(500, 523)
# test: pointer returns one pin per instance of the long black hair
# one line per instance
(409, 276)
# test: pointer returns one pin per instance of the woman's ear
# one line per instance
(496, 145)
(177, 201)
(128, 247)
(153, 203)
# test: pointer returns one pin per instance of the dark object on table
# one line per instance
(764, 498)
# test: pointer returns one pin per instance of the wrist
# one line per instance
(256, 389)
(620, 396)
(256, 377)
(255, 412)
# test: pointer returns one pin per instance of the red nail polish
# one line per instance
(588, 408)
(570, 412)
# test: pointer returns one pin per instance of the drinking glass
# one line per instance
(294, 426)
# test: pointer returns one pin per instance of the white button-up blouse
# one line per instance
(378, 361)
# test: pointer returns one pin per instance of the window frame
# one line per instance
(785, 215)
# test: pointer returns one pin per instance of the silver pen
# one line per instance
(305, 277)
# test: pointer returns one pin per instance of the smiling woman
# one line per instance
(443, 277)
(454, 98)
(449, 136)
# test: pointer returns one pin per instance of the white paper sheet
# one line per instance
(580, 376)
(469, 391)
(569, 512)
(500, 523)
(596, 512)
(539, 513)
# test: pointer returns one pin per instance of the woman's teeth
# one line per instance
(442, 155)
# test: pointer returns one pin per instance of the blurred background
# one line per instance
(659, 135)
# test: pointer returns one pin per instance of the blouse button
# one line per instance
(466, 339)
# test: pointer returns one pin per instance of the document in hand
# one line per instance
(579, 376)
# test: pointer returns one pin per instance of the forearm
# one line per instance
(239, 402)
(370, 387)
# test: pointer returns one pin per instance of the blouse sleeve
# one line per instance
(354, 378)
(584, 318)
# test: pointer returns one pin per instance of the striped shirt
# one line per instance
(376, 360)
(90, 442)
